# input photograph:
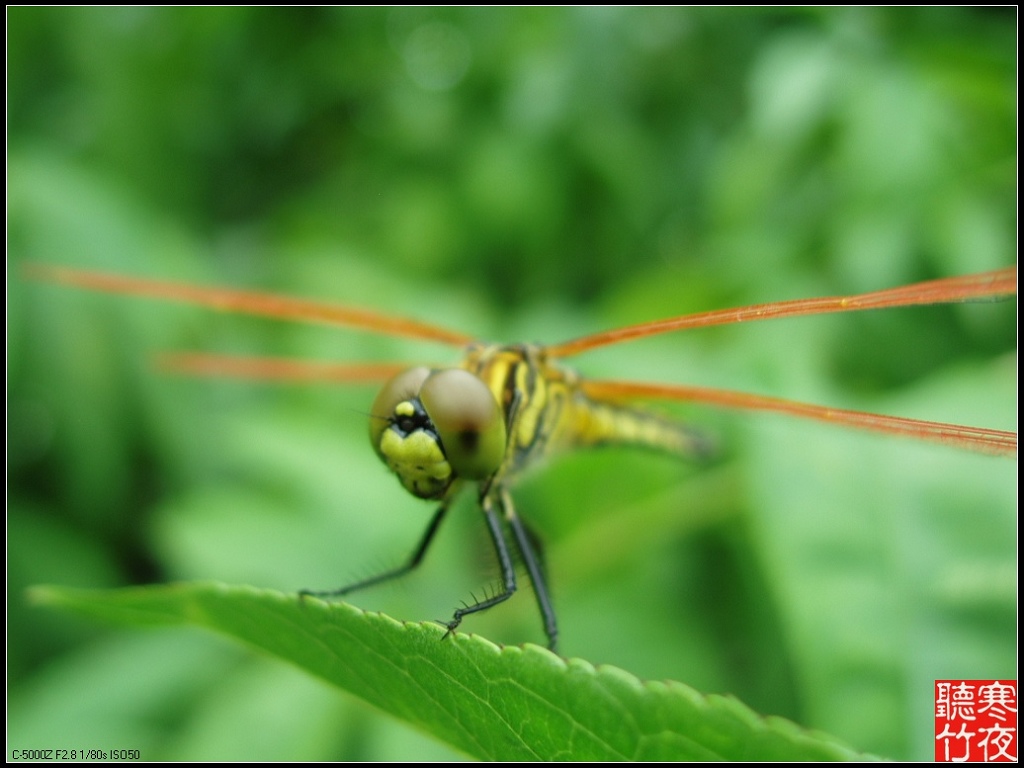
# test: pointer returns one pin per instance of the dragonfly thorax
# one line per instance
(434, 427)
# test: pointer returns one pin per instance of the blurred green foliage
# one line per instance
(524, 174)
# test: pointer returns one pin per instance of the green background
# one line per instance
(521, 175)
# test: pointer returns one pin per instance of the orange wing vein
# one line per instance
(952, 289)
(276, 369)
(249, 302)
(991, 441)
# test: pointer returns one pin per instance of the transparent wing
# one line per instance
(987, 285)
(276, 369)
(982, 440)
(249, 303)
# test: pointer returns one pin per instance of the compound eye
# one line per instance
(468, 420)
(403, 387)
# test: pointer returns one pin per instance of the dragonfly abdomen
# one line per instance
(593, 423)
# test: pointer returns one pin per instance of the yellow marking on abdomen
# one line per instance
(590, 423)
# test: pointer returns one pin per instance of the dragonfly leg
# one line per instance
(508, 571)
(534, 562)
(531, 559)
(415, 560)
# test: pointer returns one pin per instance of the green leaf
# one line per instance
(491, 702)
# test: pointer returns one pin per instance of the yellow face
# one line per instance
(434, 427)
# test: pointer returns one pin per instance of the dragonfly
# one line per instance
(506, 407)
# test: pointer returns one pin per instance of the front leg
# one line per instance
(508, 571)
(414, 560)
(531, 559)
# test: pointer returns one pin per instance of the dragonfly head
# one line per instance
(433, 427)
